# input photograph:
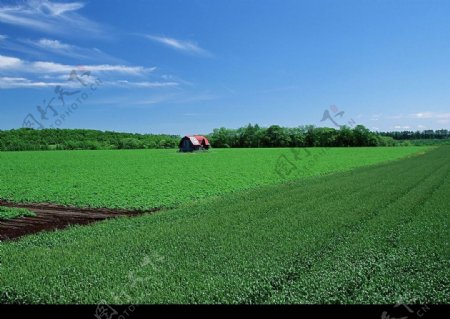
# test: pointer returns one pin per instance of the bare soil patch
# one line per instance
(51, 217)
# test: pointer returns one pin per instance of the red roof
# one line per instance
(193, 140)
(201, 138)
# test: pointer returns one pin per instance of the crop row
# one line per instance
(144, 179)
(376, 234)
(11, 213)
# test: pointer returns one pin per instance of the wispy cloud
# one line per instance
(51, 47)
(177, 98)
(7, 62)
(422, 115)
(402, 127)
(419, 120)
(18, 73)
(20, 82)
(57, 9)
(3, 37)
(142, 84)
(51, 67)
(44, 67)
(122, 101)
(48, 16)
(53, 44)
(153, 99)
(180, 45)
(430, 115)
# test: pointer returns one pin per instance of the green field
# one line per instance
(376, 234)
(144, 179)
(11, 213)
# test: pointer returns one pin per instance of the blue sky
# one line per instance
(186, 67)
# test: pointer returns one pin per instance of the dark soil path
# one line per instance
(51, 217)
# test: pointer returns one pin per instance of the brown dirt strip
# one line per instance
(51, 217)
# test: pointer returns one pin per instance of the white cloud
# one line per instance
(424, 115)
(51, 67)
(174, 98)
(56, 9)
(19, 82)
(56, 47)
(180, 45)
(52, 44)
(48, 16)
(17, 73)
(404, 127)
(430, 115)
(3, 37)
(18, 65)
(18, 16)
(7, 62)
(144, 84)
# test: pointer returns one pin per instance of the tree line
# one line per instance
(27, 139)
(302, 136)
(418, 135)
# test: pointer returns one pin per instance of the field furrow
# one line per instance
(365, 244)
(375, 234)
(148, 179)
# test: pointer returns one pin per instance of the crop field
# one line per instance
(374, 234)
(146, 179)
(11, 213)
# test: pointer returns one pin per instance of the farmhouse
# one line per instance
(191, 143)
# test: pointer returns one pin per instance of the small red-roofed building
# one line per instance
(191, 143)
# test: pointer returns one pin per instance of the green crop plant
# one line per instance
(376, 234)
(146, 179)
(12, 213)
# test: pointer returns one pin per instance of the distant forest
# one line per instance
(310, 136)
(27, 139)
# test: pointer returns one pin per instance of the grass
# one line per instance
(12, 213)
(375, 234)
(144, 179)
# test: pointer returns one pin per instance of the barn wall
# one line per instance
(186, 145)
